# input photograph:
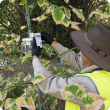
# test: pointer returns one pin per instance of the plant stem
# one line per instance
(60, 55)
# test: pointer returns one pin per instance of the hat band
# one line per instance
(95, 48)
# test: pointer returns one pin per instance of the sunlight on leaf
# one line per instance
(41, 3)
(11, 68)
(105, 16)
(38, 78)
(3, 95)
(78, 13)
(40, 18)
(29, 54)
(22, 2)
(58, 15)
(14, 107)
(66, 1)
(93, 101)
(30, 103)
(23, 27)
(95, 12)
(17, 38)
(72, 91)
(1, 103)
(9, 102)
(74, 25)
(27, 78)
(24, 59)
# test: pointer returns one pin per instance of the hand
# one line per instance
(35, 49)
(47, 37)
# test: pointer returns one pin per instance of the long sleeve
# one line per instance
(53, 85)
(70, 57)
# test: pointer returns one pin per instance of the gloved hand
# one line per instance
(47, 37)
(35, 48)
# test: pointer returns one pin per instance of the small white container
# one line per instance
(27, 42)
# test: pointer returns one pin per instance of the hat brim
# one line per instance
(79, 40)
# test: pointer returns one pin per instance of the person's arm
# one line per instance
(70, 57)
(53, 85)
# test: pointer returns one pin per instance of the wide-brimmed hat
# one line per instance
(95, 44)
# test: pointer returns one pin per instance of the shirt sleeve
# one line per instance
(53, 85)
(70, 57)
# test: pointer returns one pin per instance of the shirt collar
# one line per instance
(89, 69)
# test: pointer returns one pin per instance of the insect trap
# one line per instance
(27, 42)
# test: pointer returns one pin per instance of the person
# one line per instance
(94, 47)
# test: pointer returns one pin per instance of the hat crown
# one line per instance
(99, 36)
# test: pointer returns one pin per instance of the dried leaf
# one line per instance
(30, 103)
(40, 18)
(66, 1)
(23, 27)
(74, 25)
(95, 12)
(17, 38)
(9, 42)
(38, 78)
(13, 35)
(9, 102)
(27, 78)
(72, 91)
(11, 68)
(93, 101)
(12, 1)
(20, 102)
(105, 16)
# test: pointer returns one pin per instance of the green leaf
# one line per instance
(22, 2)
(38, 78)
(32, 87)
(66, 1)
(24, 59)
(1, 103)
(41, 3)
(78, 13)
(66, 22)
(11, 68)
(3, 95)
(58, 15)
(17, 38)
(93, 101)
(44, 7)
(15, 107)
(10, 86)
(27, 78)
(67, 12)
(9, 102)
(54, 104)
(72, 91)
(16, 80)
(46, 2)
(37, 105)
(52, 7)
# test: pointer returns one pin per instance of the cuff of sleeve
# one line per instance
(58, 48)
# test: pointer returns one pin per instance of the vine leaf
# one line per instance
(32, 87)
(22, 2)
(78, 13)
(30, 103)
(66, 22)
(74, 25)
(27, 78)
(67, 12)
(23, 27)
(15, 79)
(38, 78)
(1, 103)
(24, 59)
(11, 68)
(66, 1)
(9, 102)
(46, 2)
(3, 95)
(93, 101)
(41, 3)
(97, 11)
(17, 38)
(58, 15)
(13, 35)
(15, 107)
(40, 18)
(72, 91)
